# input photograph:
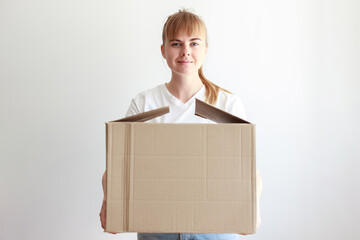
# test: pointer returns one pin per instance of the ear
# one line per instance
(206, 48)
(163, 51)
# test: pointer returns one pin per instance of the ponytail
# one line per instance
(212, 90)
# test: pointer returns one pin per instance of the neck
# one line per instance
(184, 87)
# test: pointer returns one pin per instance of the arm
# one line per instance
(104, 185)
(103, 207)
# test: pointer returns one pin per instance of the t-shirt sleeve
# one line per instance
(133, 108)
(237, 108)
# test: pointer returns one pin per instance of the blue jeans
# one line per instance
(188, 236)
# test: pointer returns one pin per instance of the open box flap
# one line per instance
(202, 109)
(145, 116)
(207, 111)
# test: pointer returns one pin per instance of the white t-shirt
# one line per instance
(180, 112)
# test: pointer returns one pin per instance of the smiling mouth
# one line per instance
(184, 61)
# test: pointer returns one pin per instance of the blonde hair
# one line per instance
(185, 20)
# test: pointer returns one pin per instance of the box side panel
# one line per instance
(193, 178)
(116, 179)
(168, 174)
(230, 183)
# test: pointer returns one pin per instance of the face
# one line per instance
(185, 54)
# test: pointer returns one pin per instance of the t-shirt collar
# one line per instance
(199, 94)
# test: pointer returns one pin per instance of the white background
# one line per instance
(67, 67)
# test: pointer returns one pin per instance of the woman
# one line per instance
(184, 47)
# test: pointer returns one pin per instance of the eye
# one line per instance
(175, 44)
(194, 44)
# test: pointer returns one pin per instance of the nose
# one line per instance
(185, 51)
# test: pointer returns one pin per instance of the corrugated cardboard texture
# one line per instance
(190, 178)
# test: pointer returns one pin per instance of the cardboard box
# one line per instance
(181, 178)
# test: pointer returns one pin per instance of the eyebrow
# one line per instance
(192, 39)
